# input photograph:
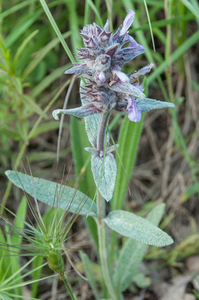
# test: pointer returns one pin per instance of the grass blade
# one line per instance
(56, 29)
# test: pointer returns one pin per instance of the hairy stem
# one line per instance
(102, 131)
(102, 233)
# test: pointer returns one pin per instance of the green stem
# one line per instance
(103, 247)
(102, 233)
(68, 289)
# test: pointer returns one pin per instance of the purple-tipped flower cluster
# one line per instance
(107, 87)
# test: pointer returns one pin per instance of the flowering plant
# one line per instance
(107, 88)
(104, 88)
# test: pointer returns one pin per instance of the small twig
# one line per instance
(62, 116)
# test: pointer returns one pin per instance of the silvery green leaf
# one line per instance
(133, 253)
(79, 69)
(91, 126)
(135, 227)
(48, 192)
(91, 150)
(108, 149)
(91, 123)
(142, 71)
(79, 112)
(111, 148)
(150, 104)
(104, 173)
(129, 260)
(127, 88)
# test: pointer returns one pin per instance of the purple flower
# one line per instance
(127, 21)
(134, 112)
(102, 60)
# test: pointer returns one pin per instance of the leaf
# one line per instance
(104, 173)
(79, 112)
(89, 273)
(150, 104)
(140, 229)
(127, 88)
(47, 191)
(91, 126)
(133, 252)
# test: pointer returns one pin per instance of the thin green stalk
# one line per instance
(68, 289)
(149, 21)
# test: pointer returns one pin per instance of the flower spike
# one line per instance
(107, 86)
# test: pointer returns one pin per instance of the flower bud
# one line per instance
(56, 262)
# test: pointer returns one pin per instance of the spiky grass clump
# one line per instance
(47, 238)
